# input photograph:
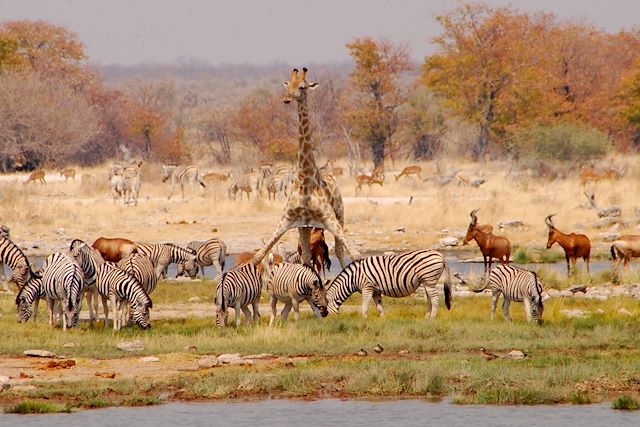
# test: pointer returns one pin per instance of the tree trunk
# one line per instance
(377, 151)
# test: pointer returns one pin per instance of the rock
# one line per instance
(108, 375)
(389, 253)
(24, 388)
(149, 359)
(165, 395)
(228, 358)
(574, 313)
(39, 353)
(208, 362)
(260, 356)
(606, 222)
(624, 312)
(131, 346)
(240, 362)
(516, 355)
(613, 211)
(609, 236)
(4, 379)
(599, 311)
(578, 288)
(403, 352)
(448, 241)
(510, 224)
(68, 345)
(194, 299)
(477, 182)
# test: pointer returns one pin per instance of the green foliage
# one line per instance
(522, 256)
(626, 402)
(564, 142)
(35, 407)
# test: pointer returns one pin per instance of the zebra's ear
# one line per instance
(327, 282)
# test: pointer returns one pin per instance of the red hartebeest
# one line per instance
(114, 249)
(490, 245)
(575, 245)
(624, 248)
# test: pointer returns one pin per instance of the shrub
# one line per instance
(626, 402)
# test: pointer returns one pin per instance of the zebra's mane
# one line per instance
(74, 243)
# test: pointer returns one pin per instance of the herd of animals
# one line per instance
(126, 273)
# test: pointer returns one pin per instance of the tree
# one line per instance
(376, 95)
(212, 125)
(423, 124)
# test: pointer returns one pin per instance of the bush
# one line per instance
(626, 403)
(566, 142)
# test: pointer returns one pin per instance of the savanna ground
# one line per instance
(575, 360)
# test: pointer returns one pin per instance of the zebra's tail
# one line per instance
(447, 287)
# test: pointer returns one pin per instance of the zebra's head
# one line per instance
(537, 308)
(182, 270)
(20, 275)
(221, 314)
(167, 170)
(331, 296)
(319, 298)
(24, 308)
(141, 315)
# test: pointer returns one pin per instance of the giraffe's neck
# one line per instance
(306, 161)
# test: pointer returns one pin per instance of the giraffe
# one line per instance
(315, 200)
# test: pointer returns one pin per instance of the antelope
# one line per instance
(490, 245)
(214, 176)
(37, 175)
(68, 173)
(319, 251)
(114, 249)
(369, 180)
(589, 174)
(624, 248)
(336, 171)
(410, 170)
(575, 245)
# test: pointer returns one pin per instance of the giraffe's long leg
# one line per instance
(336, 229)
(304, 234)
(283, 226)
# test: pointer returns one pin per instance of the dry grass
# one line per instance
(85, 209)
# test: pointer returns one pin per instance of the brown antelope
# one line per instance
(590, 174)
(369, 180)
(490, 245)
(334, 170)
(68, 173)
(575, 245)
(410, 170)
(114, 249)
(214, 176)
(37, 175)
(319, 251)
(624, 248)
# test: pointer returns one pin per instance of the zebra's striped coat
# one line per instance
(141, 268)
(121, 289)
(515, 284)
(395, 276)
(89, 260)
(180, 175)
(62, 279)
(163, 254)
(11, 255)
(292, 284)
(29, 297)
(210, 252)
(239, 287)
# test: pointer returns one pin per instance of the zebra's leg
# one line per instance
(116, 314)
(335, 228)
(494, 302)
(432, 301)
(256, 312)
(527, 309)
(285, 311)
(273, 302)
(505, 308)
(377, 299)
(296, 308)
(105, 308)
(36, 302)
(367, 294)
(94, 291)
(315, 309)
(247, 314)
(50, 309)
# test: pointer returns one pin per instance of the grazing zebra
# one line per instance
(210, 252)
(394, 276)
(120, 288)
(238, 288)
(29, 296)
(515, 284)
(163, 254)
(62, 279)
(4, 233)
(11, 255)
(180, 175)
(292, 284)
(89, 260)
(141, 268)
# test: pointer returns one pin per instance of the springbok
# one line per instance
(491, 246)
(37, 175)
(624, 248)
(68, 173)
(575, 245)
(369, 180)
(410, 170)
(590, 174)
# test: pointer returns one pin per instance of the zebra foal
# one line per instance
(394, 276)
(292, 284)
(239, 287)
(515, 284)
(89, 260)
(121, 289)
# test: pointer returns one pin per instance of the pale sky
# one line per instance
(267, 31)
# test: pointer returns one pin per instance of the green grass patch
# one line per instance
(37, 407)
(625, 402)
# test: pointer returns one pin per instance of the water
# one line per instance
(278, 413)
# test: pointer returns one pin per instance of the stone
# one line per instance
(68, 345)
(612, 211)
(448, 241)
(208, 362)
(131, 346)
(241, 361)
(227, 358)
(609, 236)
(149, 359)
(511, 224)
(24, 388)
(4, 379)
(624, 312)
(39, 353)
(574, 313)
(194, 299)
(403, 352)
(516, 355)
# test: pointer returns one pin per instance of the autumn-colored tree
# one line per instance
(213, 128)
(376, 94)
(423, 124)
(484, 66)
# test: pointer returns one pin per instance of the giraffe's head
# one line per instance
(297, 86)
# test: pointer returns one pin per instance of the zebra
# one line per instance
(279, 182)
(62, 279)
(210, 252)
(5, 233)
(515, 284)
(397, 275)
(11, 255)
(248, 183)
(120, 288)
(180, 174)
(141, 268)
(89, 260)
(29, 296)
(163, 254)
(239, 287)
(292, 284)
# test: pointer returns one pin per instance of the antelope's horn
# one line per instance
(548, 221)
(474, 218)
